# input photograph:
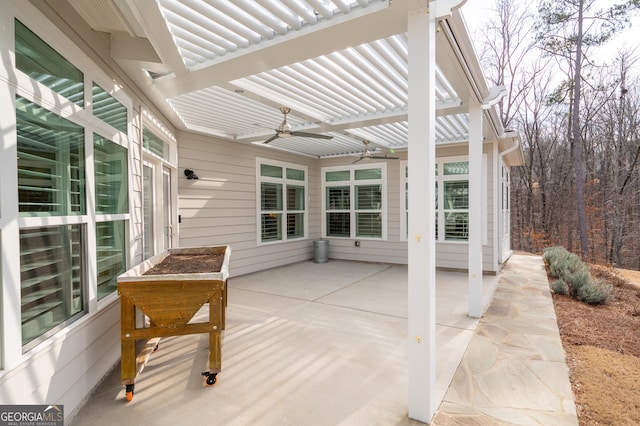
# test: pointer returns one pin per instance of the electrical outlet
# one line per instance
(357, 243)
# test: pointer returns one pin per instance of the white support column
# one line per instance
(475, 211)
(421, 244)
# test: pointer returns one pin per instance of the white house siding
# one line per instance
(135, 192)
(451, 255)
(65, 367)
(391, 250)
(454, 255)
(220, 207)
(217, 209)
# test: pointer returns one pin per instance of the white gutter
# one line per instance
(515, 137)
(471, 70)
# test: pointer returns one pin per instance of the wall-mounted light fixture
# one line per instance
(190, 174)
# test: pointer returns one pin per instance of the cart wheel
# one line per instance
(210, 378)
(129, 392)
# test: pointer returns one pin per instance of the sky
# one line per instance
(477, 12)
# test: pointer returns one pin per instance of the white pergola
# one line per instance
(354, 70)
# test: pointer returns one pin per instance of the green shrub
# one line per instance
(577, 280)
(561, 262)
(573, 277)
(550, 254)
(597, 293)
(560, 287)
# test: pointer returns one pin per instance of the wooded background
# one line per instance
(576, 102)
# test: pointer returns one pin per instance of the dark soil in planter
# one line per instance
(188, 264)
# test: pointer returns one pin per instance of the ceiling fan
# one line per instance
(284, 130)
(369, 155)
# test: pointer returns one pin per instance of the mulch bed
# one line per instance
(188, 264)
(602, 346)
(614, 326)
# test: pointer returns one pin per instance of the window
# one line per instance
(282, 209)
(56, 226)
(111, 176)
(112, 197)
(108, 109)
(158, 193)
(154, 144)
(452, 199)
(354, 201)
(51, 171)
(51, 268)
(111, 255)
(39, 61)
(455, 200)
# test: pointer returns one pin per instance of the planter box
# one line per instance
(170, 301)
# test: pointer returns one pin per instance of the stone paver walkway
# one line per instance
(514, 370)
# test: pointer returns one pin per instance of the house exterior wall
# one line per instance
(454, 255)
(219, 208)
(64, 366)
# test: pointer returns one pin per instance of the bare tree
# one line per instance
(506, 43)
(566, 32)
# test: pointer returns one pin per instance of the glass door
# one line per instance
(167, 208)
(157, 207)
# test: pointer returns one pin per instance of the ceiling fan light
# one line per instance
(285, 128)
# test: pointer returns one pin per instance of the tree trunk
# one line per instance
(578, 160)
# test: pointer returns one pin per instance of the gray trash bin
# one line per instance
(321, 251)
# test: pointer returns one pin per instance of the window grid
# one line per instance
(44, 64)
(111, 176)
(51, 166)
(451, 200)
(55, 258)
(282, 201)
(354, 201)
(51, 276)
(110, 254)
(108, 109)
(155, 144)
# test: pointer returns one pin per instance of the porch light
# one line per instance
(190, 174)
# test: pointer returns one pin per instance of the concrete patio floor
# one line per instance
(312, 344)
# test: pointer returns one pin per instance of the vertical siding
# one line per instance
(135, 183)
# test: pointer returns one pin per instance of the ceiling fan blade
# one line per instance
(384, 157)
(311, 135)
(272, 138)
(358, 160)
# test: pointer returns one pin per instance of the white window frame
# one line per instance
(504, 211)
(50, 100)
(352, 183)
(159, 166)
(283, 213)
(440, 179)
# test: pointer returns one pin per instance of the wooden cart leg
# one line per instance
(128, 345)
(216, 318)
(225, 300)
